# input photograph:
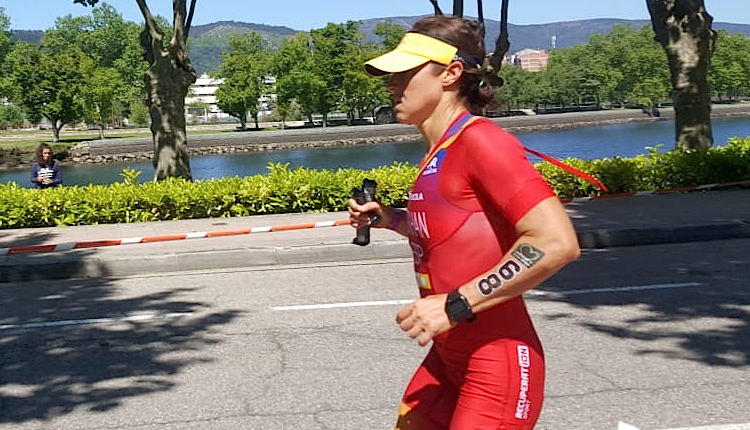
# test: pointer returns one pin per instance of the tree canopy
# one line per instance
(245, 70)
(320, 71)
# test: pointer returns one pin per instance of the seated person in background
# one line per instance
(45, 171)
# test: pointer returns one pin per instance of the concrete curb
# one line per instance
(656, 236)
(86, 264)
(83, 264)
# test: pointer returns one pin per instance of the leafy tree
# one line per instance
(51, 84)
(5, 43)
(648, 91)
(729, 72)
(68, 31)
(5, 47)
(114, 46)
(332, 56)
(294, 51)
(683, 28)
(295, 75)
(521, 88)
(104, 97)
(11, 116)
(139, 115)
(391, 34)
(117, 46)
(623, 59)
(167, 81)
(359, 92)
(568, 71)
(302, 85)
(244, 69)
(322, 71)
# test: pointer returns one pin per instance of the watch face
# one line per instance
(458, 308)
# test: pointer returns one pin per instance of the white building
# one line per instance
(204, 91)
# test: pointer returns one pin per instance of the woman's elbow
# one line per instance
(570, 250)
(574, 252)
(565, 248)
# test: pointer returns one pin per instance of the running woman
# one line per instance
(484, 227)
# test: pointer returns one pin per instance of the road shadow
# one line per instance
(58, 355)
(31, 257)
(708, 319)
(34, 237)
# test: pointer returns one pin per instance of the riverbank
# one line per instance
(230, 141)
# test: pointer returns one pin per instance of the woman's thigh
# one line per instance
(500, 387)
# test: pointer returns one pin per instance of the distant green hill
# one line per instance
(30, 36)
(208, 42)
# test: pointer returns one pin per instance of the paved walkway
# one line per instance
(311, 238)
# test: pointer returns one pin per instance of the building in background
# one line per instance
(200, 103)
(267, 102)
(532, 60)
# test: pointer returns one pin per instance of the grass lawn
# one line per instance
(26, 140)
(17, 147)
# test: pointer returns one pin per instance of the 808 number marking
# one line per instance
(505, 273)
(526, 255)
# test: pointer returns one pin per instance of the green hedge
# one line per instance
(285, 190)
(654, 171)
(282, 190)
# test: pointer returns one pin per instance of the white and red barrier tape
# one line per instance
(205, 234)
(165, 238)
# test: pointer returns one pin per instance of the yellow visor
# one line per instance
(414, 50)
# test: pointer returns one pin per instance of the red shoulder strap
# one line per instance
(467, 118)
(569, 169)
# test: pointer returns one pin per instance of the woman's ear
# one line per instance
(453, 73)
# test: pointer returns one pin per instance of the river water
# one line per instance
(623, 140)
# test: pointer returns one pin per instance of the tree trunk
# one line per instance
(55, 129)
(436, 7)
(683, 28)
(458, 8)
(493, 62)
(167, 80)
(167, 87)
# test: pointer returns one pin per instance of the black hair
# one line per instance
(40, 159)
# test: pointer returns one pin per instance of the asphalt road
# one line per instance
(657, 336)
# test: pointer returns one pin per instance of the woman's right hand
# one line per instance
(360, 214)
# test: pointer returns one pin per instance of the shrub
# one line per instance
(285, 190)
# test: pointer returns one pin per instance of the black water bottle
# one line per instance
(362, 196)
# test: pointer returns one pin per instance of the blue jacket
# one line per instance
(52, 172)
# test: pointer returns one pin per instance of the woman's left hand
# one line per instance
(425, 318)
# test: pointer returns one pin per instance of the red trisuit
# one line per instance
(470, 192)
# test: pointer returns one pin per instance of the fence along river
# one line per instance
(623, 140)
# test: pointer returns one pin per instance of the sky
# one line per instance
(310, 14)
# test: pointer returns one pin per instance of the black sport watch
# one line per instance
(458, 308)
